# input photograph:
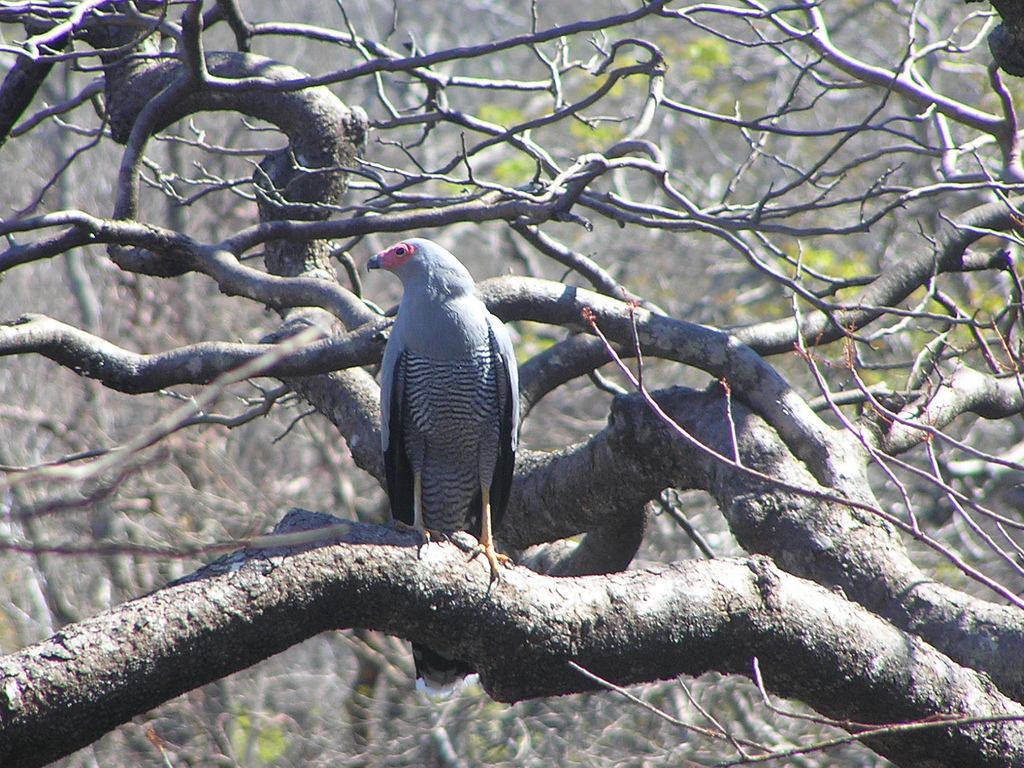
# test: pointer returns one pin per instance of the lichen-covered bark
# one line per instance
(521, 632)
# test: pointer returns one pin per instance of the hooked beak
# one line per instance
(374, 263)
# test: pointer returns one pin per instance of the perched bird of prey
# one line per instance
(449, 409)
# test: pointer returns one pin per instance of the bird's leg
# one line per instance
(417, 506)
(417, 511)
(417, 514)
(487, 539)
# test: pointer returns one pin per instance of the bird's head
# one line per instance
(419, 260)
(396, 256)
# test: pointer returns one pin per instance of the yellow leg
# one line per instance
(487, 540)
(417, 511)
(417, 504)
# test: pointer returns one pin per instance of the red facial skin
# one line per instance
(396, 255)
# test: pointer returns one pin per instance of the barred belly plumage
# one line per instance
(451, 433)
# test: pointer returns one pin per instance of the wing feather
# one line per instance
(398, 473)
(508, 414)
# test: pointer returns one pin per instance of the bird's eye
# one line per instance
(402, 253)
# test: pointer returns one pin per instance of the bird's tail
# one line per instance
(438, 674)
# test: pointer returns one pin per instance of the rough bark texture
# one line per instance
(520, 632)
(1007, 40)
(832, 543)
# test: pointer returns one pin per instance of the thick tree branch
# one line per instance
(834, 544)
(201, 363)
(518, 298)
(830, 454)
(520, 632)
(163, 253)
(575, 356)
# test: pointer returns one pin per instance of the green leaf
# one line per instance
(705, 56)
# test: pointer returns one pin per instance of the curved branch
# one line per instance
(828, 453)
(201, 363)
(600, 482)
(834, 544)
(320, 129)
(521, 633)
(606, 548)
(178, 251)
(595, 274)
(164, 253)
(350, 399)
(489, 206)
(236, 279)
(570, 358)
(896, 283)
(965, 391)
(175, 254)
